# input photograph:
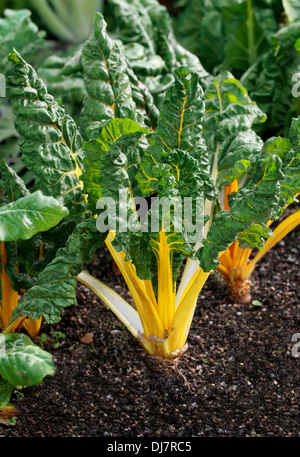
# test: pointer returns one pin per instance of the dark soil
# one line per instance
(243, 379)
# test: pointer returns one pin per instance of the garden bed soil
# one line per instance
(242, 378)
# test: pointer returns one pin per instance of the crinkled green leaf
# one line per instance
(291, 183)
(145, 29)
(292, 9)
(286, 36)
(22, 363)
(270, 81)
(6, 390)
(253, 204)
(227, 128)
(56, 285)
(230, 34)
(165, 170)
(248, 27)
(64, 78)
(49, 140)
(200, 28)
(29, 215)
(106, 81)
(179, 127)
(18, 31)
(254, 236)
(97, 157)
(12, 185)
(143, 100)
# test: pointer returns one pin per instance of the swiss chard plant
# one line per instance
(237, 146)
(176, 163)
(24, 217)
(198, 145)
(45, 232)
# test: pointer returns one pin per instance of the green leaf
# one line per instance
(254, 236)
(106, 81)
(144, 27)
(179, 127)
(134, 22)
(34, 213)
(18, 31)
(98, 157)
(291, 183)
(12, 185)
(64, 77)
(56, 285)
(143, 100)
(248, 27)
(227, 128)
(22, 363)
(269, 82)
(49, 140)
(6, 390)
(253, 204)
(200, 28)
(292, 9)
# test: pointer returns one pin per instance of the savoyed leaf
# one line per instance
(227, 128)
(22, 363)
(248, 27)
(106, 81)
(12, 185)
(143, 100)
(34, 213)
(56, 285)
(179, 127)
(18, 31)
(252, 204)
(229, 35)
(292, 9)
(95, 174)
(49, 140)
(144, 27)
(270, 82)
(134, 22)
(5, 392)
(291, 183)
(64, 79)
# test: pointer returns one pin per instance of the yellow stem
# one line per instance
(166, 290)
(285, 227)
(146, 308)
(181, 322)
(9, 298)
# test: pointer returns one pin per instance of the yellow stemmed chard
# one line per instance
(234, 147)
(21, 220)
(152, 187)
(170, 164)
(237, 264)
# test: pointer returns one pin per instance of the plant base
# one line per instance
(163, 364)
(240, 291)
